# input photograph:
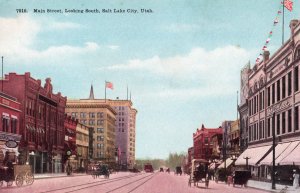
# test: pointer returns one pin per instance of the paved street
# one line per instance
(124, 182)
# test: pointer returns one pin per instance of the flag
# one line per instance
(109, 85)
(288, 4)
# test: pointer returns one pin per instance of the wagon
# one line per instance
(241, 177)
(199, 170)
(17, 173)
(99, 170)
(178, 170)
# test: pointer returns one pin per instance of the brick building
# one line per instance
(70, 153)
(41, 121)
(203, 142)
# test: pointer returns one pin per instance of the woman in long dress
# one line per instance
(296, 179)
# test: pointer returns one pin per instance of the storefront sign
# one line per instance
(9, 137)
(11, 144)
(279, 107)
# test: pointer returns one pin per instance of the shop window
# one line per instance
(5, 123)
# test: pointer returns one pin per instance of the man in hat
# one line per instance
(296, 179)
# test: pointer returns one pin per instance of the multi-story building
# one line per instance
(243, 107)
(273, 107)
(226, 125)
(234, 139)
(203, 143)
(41, 121)
(125, 131)
(82, 143)
(9, 127)
(70, 153)
(98, 114)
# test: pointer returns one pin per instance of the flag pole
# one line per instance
(283, 21)
(127, 92)
(105, 91)
(2, 74)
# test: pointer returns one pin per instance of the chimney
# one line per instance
(266, 55)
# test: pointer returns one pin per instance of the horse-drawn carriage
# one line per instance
(99, 170)
(241, 177)
(17, 173)
(178, 170)
(199, 170)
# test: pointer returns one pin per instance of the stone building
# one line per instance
(82, 143)
(273, 109)
(101, 116)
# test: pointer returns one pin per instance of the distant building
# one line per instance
(82, 144)
(98, 114)
(203, 142)
(41, 121)
(226, 125)
(125, 131)
(70, 150)
(234, 139)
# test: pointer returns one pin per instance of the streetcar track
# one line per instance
(97, 182)
(140, 184)
(151, 176)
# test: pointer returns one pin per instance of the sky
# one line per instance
(181, 61)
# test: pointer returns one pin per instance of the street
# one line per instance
(123, 182)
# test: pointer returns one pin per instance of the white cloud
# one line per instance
(200, 73)
(113, 47)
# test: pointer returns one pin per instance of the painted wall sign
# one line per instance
(11, 144)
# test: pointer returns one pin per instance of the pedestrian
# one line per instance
(296, 179)
(69, 169)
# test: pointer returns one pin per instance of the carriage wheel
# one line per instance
(1, 183)
(9, 183)
(19, 180)
(29, 178)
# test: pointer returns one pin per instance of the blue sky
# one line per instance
(181, 62)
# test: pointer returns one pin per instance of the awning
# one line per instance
(292, 158)
(255, 154)
(279, 149)
(229, 161)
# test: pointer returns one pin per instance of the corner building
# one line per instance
(41, 121)
(273, 105)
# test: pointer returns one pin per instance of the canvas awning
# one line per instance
(292, 157)
(229, 161)
(279, 149)
(254, 154)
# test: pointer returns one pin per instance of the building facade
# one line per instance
(41, 121)
(99, 115)
(234, 139)
(9, 128)
(273, 108)
(125, 131)
(70, 150)
(82, 144)
(203, 145)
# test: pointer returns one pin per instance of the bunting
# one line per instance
(266, 44)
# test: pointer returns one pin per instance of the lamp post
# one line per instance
(273, 149)
(247, 158)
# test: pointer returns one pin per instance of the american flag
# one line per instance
(288, 4)
(109, 85)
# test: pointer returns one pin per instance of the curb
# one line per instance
(59, 176)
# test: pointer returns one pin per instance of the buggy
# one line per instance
(99, 170)
(178, 170)
(17, 173)
(241, 177)
(199, 170)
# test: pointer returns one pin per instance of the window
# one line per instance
(289, 83)
(82, 115)
(278, 124)
(268, 127)
(263, 129)
(296, 118)
(254, 135)
(290, 120)
(92, 115)
(254, 104)
(5, 123)
(100, 138)
(283, 87)
(296, 78)
(14, 123)
(100, 130)
(250, 137)
(99, 122)
(278, 90)
(269, 96)
(263, 99)
(283, 122)
(273, 93)
(250, 103)
(91, 122)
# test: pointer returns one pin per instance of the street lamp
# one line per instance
(247, 158)
(273, 149)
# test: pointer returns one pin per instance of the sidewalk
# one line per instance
(268, 186)
(57, 175)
